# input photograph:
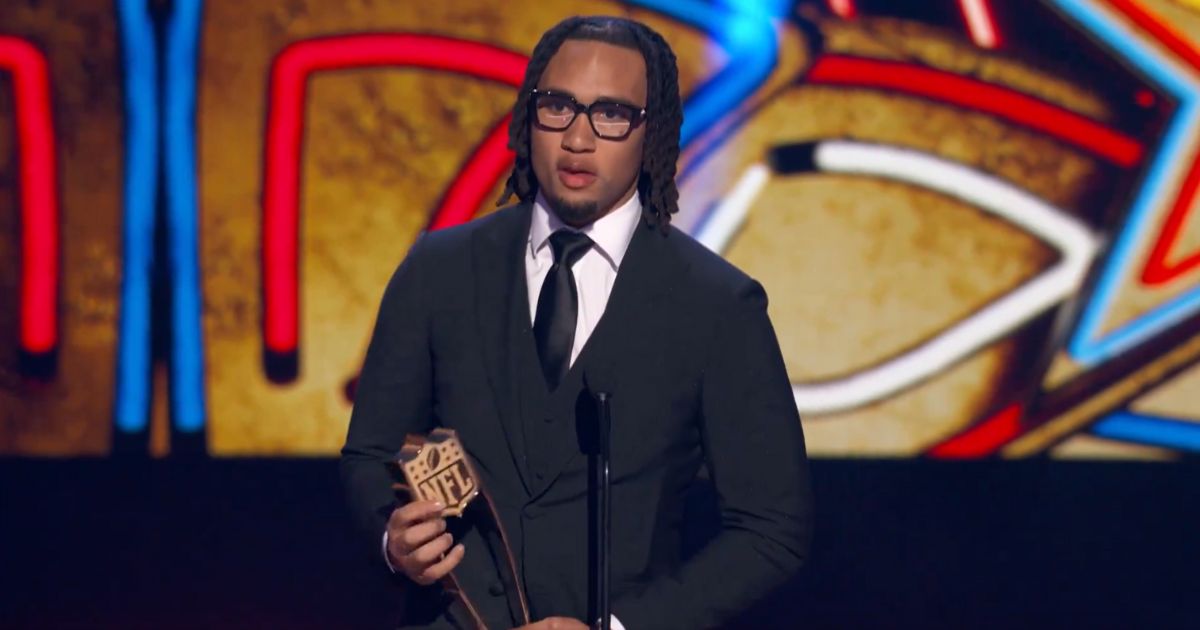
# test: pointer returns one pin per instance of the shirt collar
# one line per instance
(611, 233)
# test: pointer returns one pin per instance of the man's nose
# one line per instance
(579, 137)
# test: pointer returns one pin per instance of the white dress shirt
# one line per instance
(594, 272)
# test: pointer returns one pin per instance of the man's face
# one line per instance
(582, 175)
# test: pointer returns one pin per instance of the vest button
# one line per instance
(495, 589)
(548, 420)
(531, 512)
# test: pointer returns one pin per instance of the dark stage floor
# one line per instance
(265, 544)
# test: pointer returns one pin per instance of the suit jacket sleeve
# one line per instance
(754, 450)
(393, 398)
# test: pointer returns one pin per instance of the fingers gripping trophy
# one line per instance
(442, 483)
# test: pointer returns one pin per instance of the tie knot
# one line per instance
(569, 246)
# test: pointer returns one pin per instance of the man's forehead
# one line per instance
(589, 69)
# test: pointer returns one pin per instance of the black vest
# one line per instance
(548, 419)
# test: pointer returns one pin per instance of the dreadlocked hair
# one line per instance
(664, 113)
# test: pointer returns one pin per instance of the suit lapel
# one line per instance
(644, 277)
(498, 263)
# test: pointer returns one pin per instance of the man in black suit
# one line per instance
(501, 328)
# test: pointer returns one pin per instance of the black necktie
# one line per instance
(558, 303)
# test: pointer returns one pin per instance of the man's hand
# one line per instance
(556, 623)
(418, 543)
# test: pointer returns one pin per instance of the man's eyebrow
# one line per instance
(603, 98)
(620, 100)
(555, 90)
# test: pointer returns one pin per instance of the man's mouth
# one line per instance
(575, 177)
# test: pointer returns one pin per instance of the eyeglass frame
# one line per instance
(579, 108)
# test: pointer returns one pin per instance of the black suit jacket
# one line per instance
(697, 378)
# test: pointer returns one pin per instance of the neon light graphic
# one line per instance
(37, 176)
(1159, 270)
(132, 403)
(1166, 432)
(1088, 345)
(285, 132)
(144, 121)
(843, 8)
(976, 95)
(483, 169)
(980, 23)
(750, 41)
(179, 129)
(1073, 240)
(983, 438)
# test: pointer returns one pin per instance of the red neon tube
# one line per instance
(1158, 271)
(844, 9)
(285, 131)
(38, 181)
(973, 94)
(984, 438)
(480, 174)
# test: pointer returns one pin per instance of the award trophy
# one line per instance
(436, 468)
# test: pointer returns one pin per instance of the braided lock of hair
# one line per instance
(664, 112)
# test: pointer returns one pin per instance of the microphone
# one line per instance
(599, 500)
(599, 383)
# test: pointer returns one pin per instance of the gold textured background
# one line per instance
(857, 269)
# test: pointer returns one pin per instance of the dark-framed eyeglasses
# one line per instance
(610, 120)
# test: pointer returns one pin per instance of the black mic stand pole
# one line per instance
(602, 514)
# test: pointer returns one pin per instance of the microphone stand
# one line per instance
(600, 489)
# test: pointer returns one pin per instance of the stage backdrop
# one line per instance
(975, 219)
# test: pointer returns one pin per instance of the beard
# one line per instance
(575, 214)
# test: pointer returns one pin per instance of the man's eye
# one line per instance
(612, 113)
(555, 105)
